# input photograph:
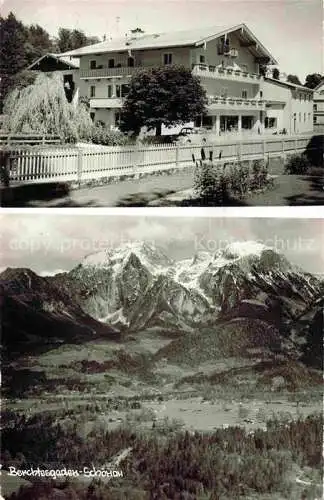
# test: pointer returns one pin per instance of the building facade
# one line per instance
(319, 105)
(289, 107)
(228, 63)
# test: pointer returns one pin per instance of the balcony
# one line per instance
(219, 73)
(236, 104)
(91, 74)
(106, 102)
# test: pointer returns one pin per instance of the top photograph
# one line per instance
(153, 104)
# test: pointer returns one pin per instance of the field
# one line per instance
(126, 393)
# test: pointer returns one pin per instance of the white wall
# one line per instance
(215, 87)
(245, 58)
(180, 56)
(296, 115)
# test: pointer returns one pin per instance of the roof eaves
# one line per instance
(288, 84)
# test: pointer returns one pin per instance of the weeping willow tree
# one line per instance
(42, 108)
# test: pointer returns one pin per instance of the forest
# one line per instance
(225, 464)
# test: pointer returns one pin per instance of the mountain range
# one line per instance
(136, 286)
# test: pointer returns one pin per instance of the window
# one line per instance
(110, 91)
(167, 58)
(93, 64)
(244, 94)
(299, 117)
(111, 63)
(118, 91)
(92, 91)
(92, 116)
(117, 119)
(224, 92)
(261, 94)
(270, 122)
(315, 107)
(315, 120)
(130, 62)
(223, 46)
(124, 90)
(202, 59)
(304, 117)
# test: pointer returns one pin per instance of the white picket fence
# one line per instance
(82, 163)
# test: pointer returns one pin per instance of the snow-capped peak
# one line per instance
(149, 255)
(240, 249)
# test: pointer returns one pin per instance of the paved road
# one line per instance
(137, 192)
(288, 190)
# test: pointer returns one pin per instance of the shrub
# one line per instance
(105, 137)
(297, 164)
(210, 183)
(215, 184)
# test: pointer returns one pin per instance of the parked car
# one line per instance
(191, 134)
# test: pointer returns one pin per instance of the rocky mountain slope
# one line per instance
(137, 286)
(34, 310)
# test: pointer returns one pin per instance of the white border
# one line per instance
(287, 212)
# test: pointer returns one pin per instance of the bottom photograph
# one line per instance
(150, 357)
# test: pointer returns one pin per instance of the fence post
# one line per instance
(239, 152)
(264, 150)
(177, 155)
(79, 160)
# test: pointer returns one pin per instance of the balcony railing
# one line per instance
(106, 102)
(236, 103)
(204, 70)
(108, 72)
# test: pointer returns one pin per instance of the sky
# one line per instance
(50, 243)
(292, 30)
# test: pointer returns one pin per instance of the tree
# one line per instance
(168, 95)
(73, 39)
(43, 108)
(38, 43)
(12, 52)
(276, 73)
(64, 40)
(313, 80)
(293, 79)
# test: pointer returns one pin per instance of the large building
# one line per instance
(319, 104)
(228, 62)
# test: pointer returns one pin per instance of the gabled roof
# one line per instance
(288, 84)
(194, 37)
(69, 61)
(319, 86)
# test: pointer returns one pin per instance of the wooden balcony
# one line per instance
(231, 74)
(106, 102)
(90, 74)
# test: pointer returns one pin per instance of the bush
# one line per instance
(297, 164)
(215, 184)
(210, 183)
(103, 136)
